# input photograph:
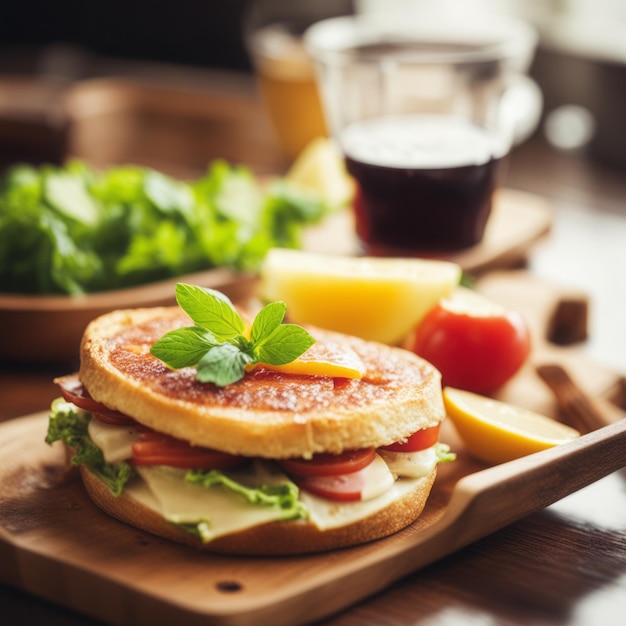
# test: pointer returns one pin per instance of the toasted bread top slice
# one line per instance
(267, 413)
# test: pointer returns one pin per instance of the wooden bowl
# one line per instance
(47, 329)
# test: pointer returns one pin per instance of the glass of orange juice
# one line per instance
(285, 73)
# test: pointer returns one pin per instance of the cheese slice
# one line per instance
(323, 359)
(220, 511)
(327, 514)
(115, 442)
(378, 479)
(410, 464)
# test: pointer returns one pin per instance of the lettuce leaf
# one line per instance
(75, 230)
(282, 495)
(69, 425)
(443, 453)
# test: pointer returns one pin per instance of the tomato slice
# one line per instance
(419, 440)
(109, 416)
(343, 487)
(73, 390)
(153, 448)
(329, 464)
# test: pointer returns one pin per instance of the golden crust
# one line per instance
(266, 414)
(272, 539)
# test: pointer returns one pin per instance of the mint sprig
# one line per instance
(216, 345)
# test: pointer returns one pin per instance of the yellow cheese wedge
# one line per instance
(379, 299)
(323, 359)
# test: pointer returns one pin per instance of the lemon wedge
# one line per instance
(379, 299)
(496, 432)
(320, 166)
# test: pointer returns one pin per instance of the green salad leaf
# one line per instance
(69, 425)
(281, 496)
(76, 230)
(217, 346)
(444, 455)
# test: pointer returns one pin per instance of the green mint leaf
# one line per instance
(216, 345)
(285, 344)
(223, 365)
(267, 320)
(183, 347)
(210, 309)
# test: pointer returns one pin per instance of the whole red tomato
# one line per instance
(476, 344)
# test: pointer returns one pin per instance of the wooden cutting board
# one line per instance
(56, 544)
(550, 311)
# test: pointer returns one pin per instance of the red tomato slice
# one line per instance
(419, 440)
(344, 487)
(73, 390)
(152, 448)
(115, 418)
(329, 464)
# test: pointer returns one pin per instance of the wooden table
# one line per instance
(565, 565)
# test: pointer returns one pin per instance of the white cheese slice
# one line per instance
(378, 479)
(221, 510)
(327, 514)
(226, 512)
(165, 491)
(114, 441)
(411, 468)
(411, 464)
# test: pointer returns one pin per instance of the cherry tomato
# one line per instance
(476, 344)
(329, 464)
(152, 448)
(419, 440)
(73, 390)
(343, 487)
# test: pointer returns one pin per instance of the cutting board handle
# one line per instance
(488, 500)
(541, 478)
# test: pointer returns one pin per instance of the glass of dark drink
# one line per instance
(425, 109)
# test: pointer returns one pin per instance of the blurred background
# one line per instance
(172, 86)
(580, 64)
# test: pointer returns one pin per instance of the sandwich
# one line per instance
(246, 435)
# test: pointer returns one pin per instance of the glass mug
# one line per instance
(425, 111)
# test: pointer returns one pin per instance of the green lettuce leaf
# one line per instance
(69, 425)
(282, 495)
(74, 229)
(443, 453)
